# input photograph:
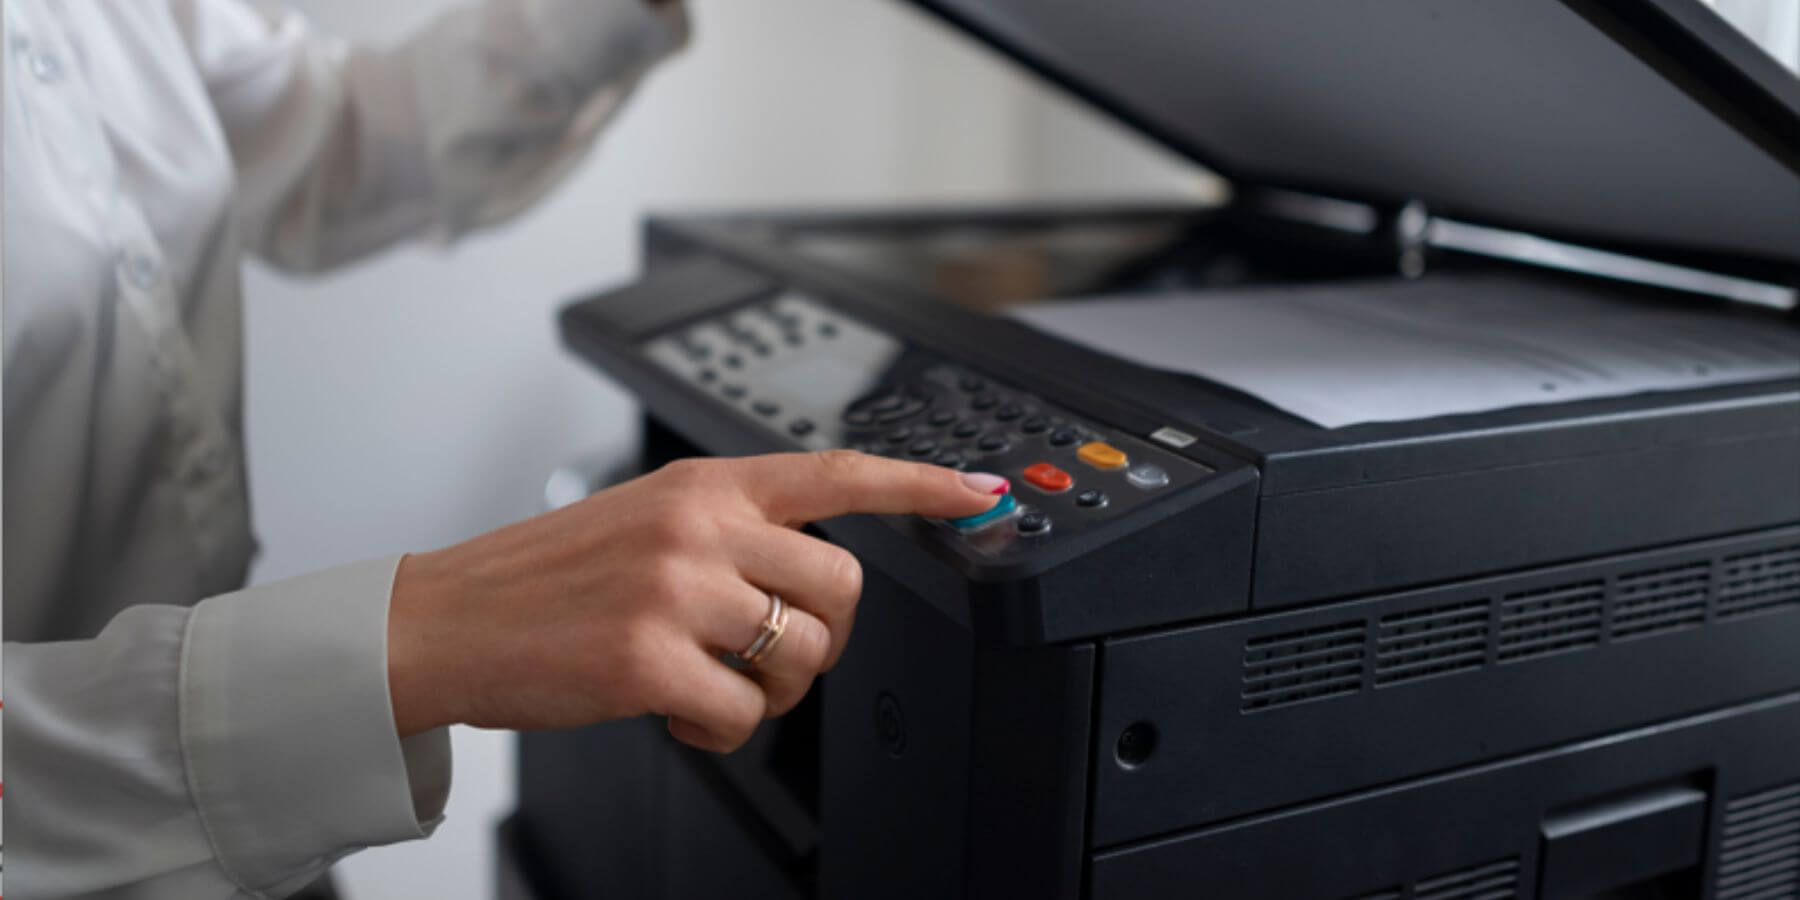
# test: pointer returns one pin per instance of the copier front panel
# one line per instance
(1108, 700)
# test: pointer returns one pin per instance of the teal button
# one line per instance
(1000, 511)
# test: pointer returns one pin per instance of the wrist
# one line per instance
(417, 688)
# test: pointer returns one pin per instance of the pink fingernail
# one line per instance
(986, 483)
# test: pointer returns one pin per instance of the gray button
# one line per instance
(45, 65)
(1147, 476)
(142, 270)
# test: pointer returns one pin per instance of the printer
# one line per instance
(1220, 644)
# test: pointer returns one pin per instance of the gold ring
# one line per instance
(770, 634)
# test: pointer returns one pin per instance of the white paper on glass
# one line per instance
(1384, 351)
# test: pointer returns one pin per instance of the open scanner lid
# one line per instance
(1651, 125)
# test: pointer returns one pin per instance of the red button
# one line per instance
(1048, 477)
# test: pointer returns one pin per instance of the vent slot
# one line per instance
(1759, 852)
(1493, 881)
(1551, 620)
(1663, 600)
(1428, 642)
(1295, 666)
(1759, 582)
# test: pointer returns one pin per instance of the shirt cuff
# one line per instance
(601, 42)
(288, 731)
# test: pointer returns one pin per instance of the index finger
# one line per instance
(793, 488)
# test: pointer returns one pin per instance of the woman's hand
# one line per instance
(623, 604)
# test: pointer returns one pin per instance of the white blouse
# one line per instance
(237, 747)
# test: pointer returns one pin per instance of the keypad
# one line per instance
(818, 379)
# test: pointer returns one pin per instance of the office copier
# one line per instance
(1218, 649)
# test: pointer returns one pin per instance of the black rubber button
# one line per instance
(735, 391)
(1063, 437)
(942, 417)
(765, 408)
(899, 435)
(887, 403)
(859, 417)
(800, 427)
(826, 329)
(972, 383)
(1034, 523)
(707, 376)
(984, 401)
(1035, 425)
(1092, 499)
(1009, 412)
(949, 458)
(794, 338)
(734, 361)
(993, 443)
(762, 349)
(921, 447)
(966, 429)
(699, 351)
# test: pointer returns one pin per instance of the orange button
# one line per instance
(1045, 476)
(1102, 455)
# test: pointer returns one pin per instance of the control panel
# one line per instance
(819, 379)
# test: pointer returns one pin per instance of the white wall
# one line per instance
(422, 397)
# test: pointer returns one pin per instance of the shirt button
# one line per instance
(45, 66)
(212, 463)
(142, 270)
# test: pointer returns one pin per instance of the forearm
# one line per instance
(239, 746)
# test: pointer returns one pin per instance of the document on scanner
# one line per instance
(1386, 351)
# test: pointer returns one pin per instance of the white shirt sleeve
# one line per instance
(343, 149)
(233, 750)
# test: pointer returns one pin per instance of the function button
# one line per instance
(899, 435)
(984, 401)
(1102, 455)
(911, 407)
(1091, 498)
(921, 447)
(761, 349)
(887, 403)
(793, 338)
(861, 418)
(972, 383)
(950, 459)
(735, 391)
(1006, 507)
(800, 427)
(1035, 425)
(733, 361)
(1147, 476)
(697, 352)
(993, 443)
(1047, 477)
(1009, 412)
(827, 330)
(1063, 437)
(707, 376)
(765, 408)
(942, 417)
(1034, 523)
(966, 429)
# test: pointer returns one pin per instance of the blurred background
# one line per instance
(422, 397)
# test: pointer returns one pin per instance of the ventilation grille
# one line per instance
(1661, 601)
(1489, 881)
(1427, 642)
(1551, 620)
(1289, 668)
(1417, 644)
(1759, 582)
(1759, 853)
